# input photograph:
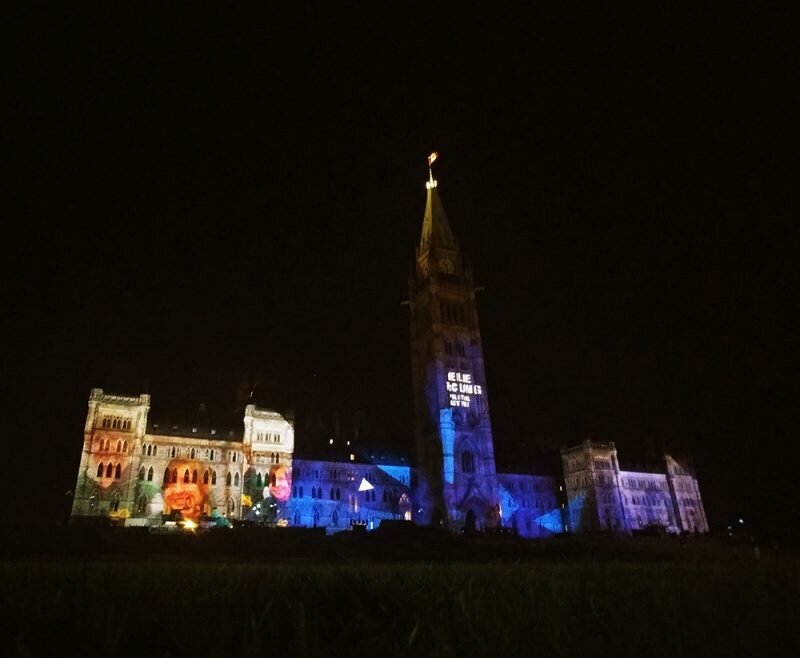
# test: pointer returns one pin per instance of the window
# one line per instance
(186, 476)
(100, 470)
(467, 461)
(194, 476)
(141, 473)
(192, 453)
(335, 517)
(119, 445)
(259, 481)
(174, 475)
(213, 477)
(228, 480)
(338, 494)
(236, 480)
(108, 470)
(212, 454)
(150, 474)
(125, 446)
(145, 448)
(155, 450)
(148, 450)
(141, 505)
(166, 476)
(205, 477)
(300, 491)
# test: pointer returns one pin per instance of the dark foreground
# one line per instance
(655, 598)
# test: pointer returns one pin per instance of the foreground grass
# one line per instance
(175, 608)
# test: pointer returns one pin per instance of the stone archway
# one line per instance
(469, 522)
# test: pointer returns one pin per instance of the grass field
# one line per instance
(174, 607)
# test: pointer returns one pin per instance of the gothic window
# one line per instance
(192, 453)
(155, 450)
(272, 479)
(300, 491)
(141, 473)
(119, 446)
(236, 480)
(174, 475)
(333, 494)
(125, 447)
(297, 517)
(231, 506)
(166, 476)
(213, 477)
(150, 474)
(212, 454)
(335, 517)
(467, 461)
(100, 470)
(108, 470)
(186, 476)
(141, 505)
(145, 448)
(259, 480)
(228, 480)
(205, 477)
(194, 476)
(118, 472)
(338, 494)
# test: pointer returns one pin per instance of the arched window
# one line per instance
(118, 472)
(109, 470)
(141, 473)
(150, 474)
(301, 491)
(258, 480)
(467, 461)
(174, 475)
(213, 477)
(333, 494)
(192, 453)
(145, 449)
(194, 476)
(228, 480)
(335, 517)
(236, 480)
(155, 450)
(277, 458)
(297, 517)
(212, 455)
(125, 447)
(119, 445)
(205, 477)
(172, 451)
(231, 506)
(186, 476)
(166, 476)
(141, 505)
(316, 517)
(294, 492)
(100, 470)
(338, 494)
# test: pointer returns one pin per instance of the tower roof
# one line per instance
(435, 227)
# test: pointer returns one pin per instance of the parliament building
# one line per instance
(135, 470)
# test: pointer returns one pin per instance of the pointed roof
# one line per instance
(435, 228)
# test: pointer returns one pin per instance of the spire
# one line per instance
(435, 228)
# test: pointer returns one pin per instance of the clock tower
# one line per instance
(455, 453)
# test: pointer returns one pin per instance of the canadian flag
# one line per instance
(432, 157)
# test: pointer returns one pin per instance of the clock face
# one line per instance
(446, 266)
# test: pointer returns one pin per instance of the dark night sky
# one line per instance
(202, 196)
